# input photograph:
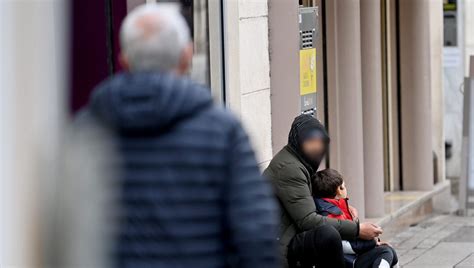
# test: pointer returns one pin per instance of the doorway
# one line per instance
(94, 44)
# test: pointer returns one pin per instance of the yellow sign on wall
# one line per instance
(308, 71)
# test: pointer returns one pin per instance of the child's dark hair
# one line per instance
(326, 182)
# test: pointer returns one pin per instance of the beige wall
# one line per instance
(416, 82)
(371, 39)
(284, 69)
(248, 70)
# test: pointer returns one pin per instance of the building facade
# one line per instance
(379, 87)
(375, 68)
(377, 80)
(378, 84)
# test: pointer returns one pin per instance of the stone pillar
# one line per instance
(284, 68)
(345, 95)
(247, 67)
(372, 107)
(415, 92)
(230, 11)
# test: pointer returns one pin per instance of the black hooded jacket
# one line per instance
(192, 194)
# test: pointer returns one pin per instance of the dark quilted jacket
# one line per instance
(192, 194)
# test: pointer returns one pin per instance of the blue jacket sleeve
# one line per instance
(252, 214)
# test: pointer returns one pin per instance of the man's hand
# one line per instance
(354, 212)
(369, 231)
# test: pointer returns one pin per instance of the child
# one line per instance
(330, 196)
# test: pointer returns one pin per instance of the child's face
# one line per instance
(342, 191)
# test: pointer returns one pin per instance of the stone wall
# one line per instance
(248, 58)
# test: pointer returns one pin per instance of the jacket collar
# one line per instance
(336, 202)
(323, 205)
(341, 204)
(147, 101)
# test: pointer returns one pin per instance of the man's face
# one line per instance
(314, 149)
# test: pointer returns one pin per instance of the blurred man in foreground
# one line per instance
(191, 191)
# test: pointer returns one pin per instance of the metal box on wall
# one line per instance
(309, 32)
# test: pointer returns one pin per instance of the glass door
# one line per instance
(205, 21)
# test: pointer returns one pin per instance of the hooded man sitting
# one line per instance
(306, 238)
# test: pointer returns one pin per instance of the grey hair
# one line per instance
(153, 37)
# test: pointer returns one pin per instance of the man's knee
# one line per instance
(329, 232)
(394, 255)
(329, 236)
(385, 250)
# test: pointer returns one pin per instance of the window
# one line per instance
(95, 26)
(204, 20)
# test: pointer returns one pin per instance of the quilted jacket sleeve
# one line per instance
(252, 214)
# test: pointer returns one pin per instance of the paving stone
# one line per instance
(441, 241)
(411, 255)
(428, 243)
(444, 254)
(467, 262)
(413, 242)
(401, 252)
(463, 234)
(444, 232)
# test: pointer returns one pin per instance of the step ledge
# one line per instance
(418, 202)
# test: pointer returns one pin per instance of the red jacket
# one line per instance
(334, 208)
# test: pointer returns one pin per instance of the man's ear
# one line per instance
(186, 60)
(123, 60)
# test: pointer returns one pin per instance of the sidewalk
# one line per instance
(441, 241)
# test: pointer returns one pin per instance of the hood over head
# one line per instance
(305, 127)
(151, 102)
